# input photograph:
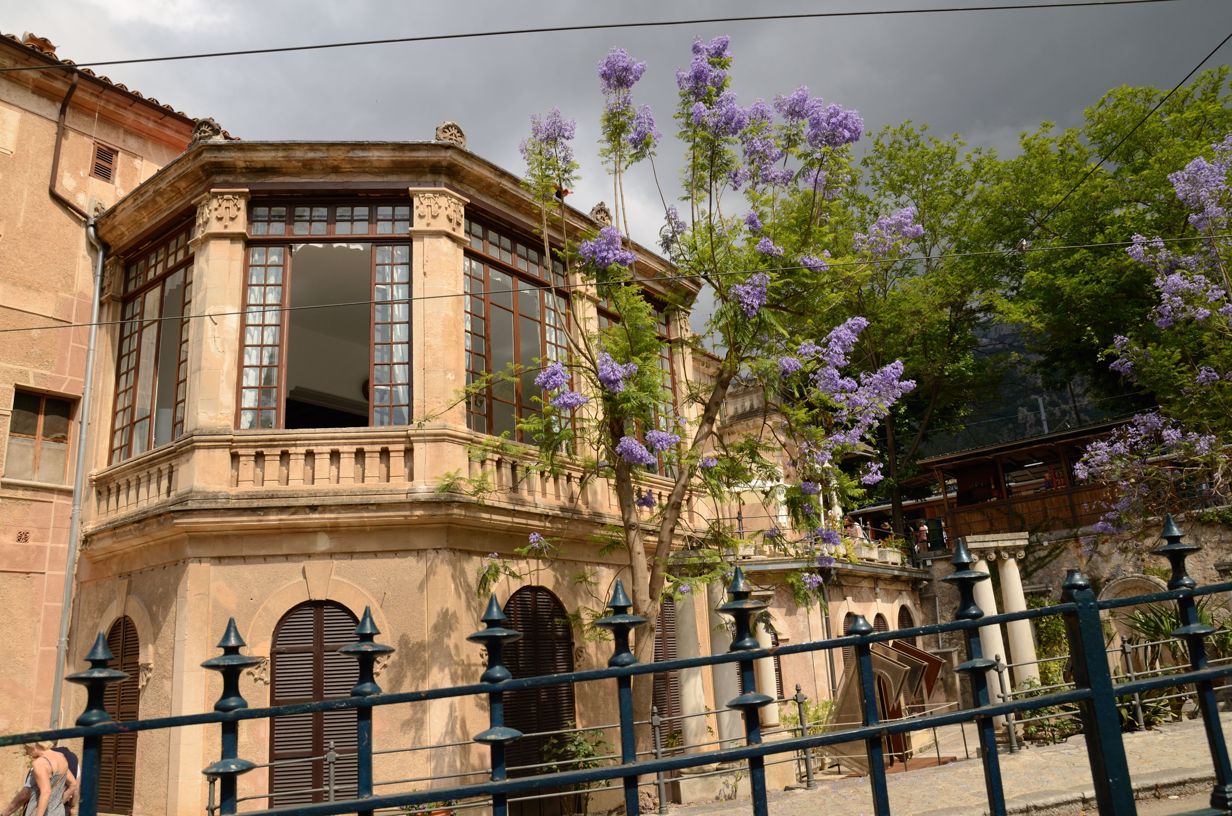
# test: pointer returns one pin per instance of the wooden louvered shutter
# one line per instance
(849, 652)
(667, 684)
(306, 668)
(778, 667)
(905, 621)
(104, 162)
(546, 647)
(118, 753)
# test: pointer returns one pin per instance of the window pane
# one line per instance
(19, 461)
(502, 351)
(55, 419)
(25, 414)
(52, 456)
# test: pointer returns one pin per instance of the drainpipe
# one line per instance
(55, 156)
(826, 633)
(79, 474)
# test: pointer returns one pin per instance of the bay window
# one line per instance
(326, 338)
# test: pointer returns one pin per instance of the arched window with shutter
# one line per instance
(306, 667)
(667, 684)
(849, 652)
(546, 647)
(880, 624)
(906, 621)
(118, 753)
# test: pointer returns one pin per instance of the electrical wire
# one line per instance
(583, 27)
(649, 279)
(1104, 159)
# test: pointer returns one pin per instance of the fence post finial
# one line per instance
(366, 651)
(493, 638)
(230, 664)
(95, 679)
(621, 622)
(1176, 553)
(741, 607)
(965, 578)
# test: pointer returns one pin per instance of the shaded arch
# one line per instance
(546, 647)
(849, 652)
(906, 620)
(259, 632)
(118, 752)
(305, 666)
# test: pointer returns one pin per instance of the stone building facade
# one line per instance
(71, 144)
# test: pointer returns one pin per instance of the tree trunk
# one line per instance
(896, 494)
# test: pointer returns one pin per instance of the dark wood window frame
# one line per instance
(493, 249)
(140, 343)
(40, 435)
(277, 224)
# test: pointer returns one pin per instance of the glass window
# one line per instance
(38, 438)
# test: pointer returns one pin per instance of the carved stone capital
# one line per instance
(439, 212)
(222, 212)
(145, 670)
(260, 673)
(113, 279)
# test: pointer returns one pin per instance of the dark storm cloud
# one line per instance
(985, 75)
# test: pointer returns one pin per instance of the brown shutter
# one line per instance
(306, 668)
(546, 647)
(905, 621)
(849, 652)
(104, 162)
(667, 684)
(118, 753)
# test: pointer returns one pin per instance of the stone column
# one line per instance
(990, 636)
(438, 353)
(724, 676)
(1022, 642)
(692, 681)
(765, 677)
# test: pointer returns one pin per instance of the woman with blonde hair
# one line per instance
(53, 782)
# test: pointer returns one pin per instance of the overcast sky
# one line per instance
(986, 75)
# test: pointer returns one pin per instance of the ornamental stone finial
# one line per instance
(601, 215)
(206, 130)
(450, 132)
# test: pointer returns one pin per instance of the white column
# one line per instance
(765, 677)
(991, 643)
(692, 681)
(724, 676)
(1022, 643)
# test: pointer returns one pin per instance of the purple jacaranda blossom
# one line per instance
(773, 533)
(684, 589)
(706, 72)
(814, 264)
(833, 126)
(619, 72)
(1105, 527)
(871, 474)
(753, 222)
(1202, 187)
(1207, 375)
(811, 581)
(551, 134)
(673, 228)
(708, 462)
(1122, 365)
(762, 151)
(809, 488)
(660, 441)
(634, 452)
(789, 365)
(830, 537)
(797, 106)
(646, 500)
(724, 119)
(612, 375)
(767, 247)
(826, 561)
(537, 543)
(643, 135)
(569, 400)
(552, 377)
(606, 249)
(890, 233)
(751, 295)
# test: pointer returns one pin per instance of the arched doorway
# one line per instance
(546, 647)
(306, 667)
(118, 753)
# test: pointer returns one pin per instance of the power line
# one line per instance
(1130, 132)
(587, 27)
(651, 279)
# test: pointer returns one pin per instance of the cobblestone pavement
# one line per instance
(1054, 779)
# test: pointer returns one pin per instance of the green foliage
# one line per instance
(1051, 642)
(1048, 724)
(492, 570)
(454, 482)
(573, 751)
(816, 715)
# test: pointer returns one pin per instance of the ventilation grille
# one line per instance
(104, 162)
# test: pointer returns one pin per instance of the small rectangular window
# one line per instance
(104, 162)
(38, 438)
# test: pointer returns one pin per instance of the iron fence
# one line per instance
(1095, 693)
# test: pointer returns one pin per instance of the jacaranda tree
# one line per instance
(753, 224)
